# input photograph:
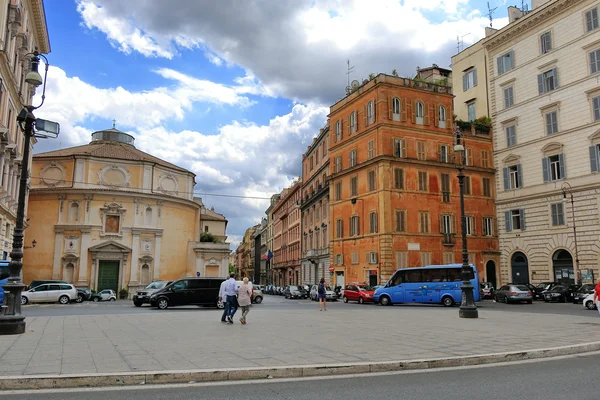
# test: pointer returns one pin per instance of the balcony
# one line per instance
(315, 253)
(448, 239)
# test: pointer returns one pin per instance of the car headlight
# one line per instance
(555, 294)
(153, 296)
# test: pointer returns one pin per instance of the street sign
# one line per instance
(198, 274)
(331, 268)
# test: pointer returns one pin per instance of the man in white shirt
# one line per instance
(223, 299)
(230, 291)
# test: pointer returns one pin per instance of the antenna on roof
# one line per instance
(350, 70)
(114, 123)
(460, 42)
(524, 6)
(491, 12)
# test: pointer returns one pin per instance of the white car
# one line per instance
(329, 293)
(588, 302)
(63, 293)
(105, 295)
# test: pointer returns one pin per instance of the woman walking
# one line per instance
(245, 299)
(322, 294)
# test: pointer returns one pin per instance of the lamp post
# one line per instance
(468, 309)
(567, 189)
(11, 319)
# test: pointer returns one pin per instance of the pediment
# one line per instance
(110, 246)
(595, 137)
(552, 147)
(512, 159)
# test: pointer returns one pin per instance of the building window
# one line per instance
(513, 177)
(353, 122)
(372, 183)
(352, 158)
(396, 109)
(399, 148)
(338, 130)
(422, 181)
(558, 214)
(398, 178)
(421, 150)
(548, 81)
(447, 224)
(445, 178)
(371, 149)
(401, 259)
(552, 122)
(485, 159)
(469, 79)
(470, 225)
(467, 185)
(373, 222)
(468, 156)
(338, 190)
(506, 62)
(591, 19)
(515, 220)
(471, 111)
(370, 112)
(419, 113)
(148, 216)
(511, 136)
(595, 61)
(354, 258)
(596, 108)
(487, 187)
(553, 168)
(339, 228)
(74, 212)
(423, 222)
(339, 259)
(354, 225)
(444, 154)
(206, 228)
(354, 186)
(7, 230)
(509, 98)
(448, 257)
(441, 117)
(546, 42)
(338, 164)
(400, 220)
(488, 227)
(595, 158)
(425, 258)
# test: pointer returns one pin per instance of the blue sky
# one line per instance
(234, 97)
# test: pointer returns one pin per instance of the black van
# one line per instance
(188, 291)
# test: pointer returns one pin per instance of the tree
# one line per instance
(207, 237)
(394, 72)
(231, 268)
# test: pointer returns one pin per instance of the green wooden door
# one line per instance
(108, 275)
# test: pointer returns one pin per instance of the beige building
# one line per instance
(109, 216)
(23, 24)
(543, 74)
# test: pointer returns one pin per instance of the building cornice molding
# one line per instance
(39, 25)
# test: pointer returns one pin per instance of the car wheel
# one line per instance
(496, 299)
(361, 301)
(63, 299)
(383, 300)
(345, 299)
(79, 299)
(113, 299)
(137, 304)
(589, 305)
(258, 300)
(506, 301)
(220, 305)
(448, 301)
(162, 303)
(24, 300)
(529, 301)
(96, 299)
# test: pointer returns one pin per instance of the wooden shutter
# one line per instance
(403, 110)
(555, 75)
(366, 117)
(465, 82)
(522, 215)
(474, 77)
(507, 221)
(426, 113)
(506, 178)
(512, 58)
(436, 115)
(520, 175)
(390, 108)
(349, 124)
(594, 161)
(500, 65)
(562, 165)
(541, 84)
(453, 227)
(412, 111)
(546, 169)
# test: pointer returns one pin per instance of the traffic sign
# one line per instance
(331, 268)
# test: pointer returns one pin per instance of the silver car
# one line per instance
(329, 293)
(63, 293)
(513, 294)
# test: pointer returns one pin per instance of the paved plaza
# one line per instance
(194, 338)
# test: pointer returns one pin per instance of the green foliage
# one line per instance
(123, 293)
(483, 124)
(394, 72)
(463, 125)
(371, 76)
(207, 237)
(231, 268)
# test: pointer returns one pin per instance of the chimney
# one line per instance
(514, 13)
(538, 3)
(490, 31)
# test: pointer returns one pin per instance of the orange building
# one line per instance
(394, 194)
(286, 267)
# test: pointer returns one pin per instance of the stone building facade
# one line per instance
(286, 267)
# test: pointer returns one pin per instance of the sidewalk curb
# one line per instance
(236, 374)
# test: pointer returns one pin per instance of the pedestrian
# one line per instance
(230, 291)
(597, 294)
(322, 294)
(244, 299)
(223, 299)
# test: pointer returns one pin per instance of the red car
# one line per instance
(362, 293)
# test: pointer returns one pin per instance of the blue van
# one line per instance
(431, 284)
(4, 274)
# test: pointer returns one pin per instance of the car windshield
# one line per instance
(543, 286)
(365, 288)
(585, 288)
(294, 288)
(558, 288)
(523, 288)
(156, 285)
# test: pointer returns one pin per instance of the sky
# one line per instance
(235, 90)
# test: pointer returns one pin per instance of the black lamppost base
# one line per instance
(12, 322)
(468, 312)
(12, 325)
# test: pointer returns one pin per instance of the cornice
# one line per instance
(39, 25)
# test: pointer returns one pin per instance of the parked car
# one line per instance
(513, 293)
(588, 302)
(188, 291)
(63, 293)
(541, 288)
(487, 290)
(143, 296)
(362, 293)
(37, 283)
(104, 295)
(582, 293)
(257, 295)
(330, 294)
(295, 292)
(560, 293)
(83, 294)
(4, 274)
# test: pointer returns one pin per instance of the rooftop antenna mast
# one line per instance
(491, 12)
(524, 6)
(460, 42)
(350, 70)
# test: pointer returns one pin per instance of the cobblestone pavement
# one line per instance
(194, 338)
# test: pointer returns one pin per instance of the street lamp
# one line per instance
(468, 309)
(11, 319)
(567, 189)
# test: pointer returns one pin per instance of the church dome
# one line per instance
(112, 135)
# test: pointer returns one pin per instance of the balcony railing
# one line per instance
(448, 239)
(315, 252)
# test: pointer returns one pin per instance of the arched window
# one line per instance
(148, 219)
(370, 112)
(74, 212)
(396, 109)
(442, 116)
(7, 230)
(69, 273)
(145, 276)
(353, 122)
(419, 111)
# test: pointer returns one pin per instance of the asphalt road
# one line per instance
(280, 303)
(573, 378)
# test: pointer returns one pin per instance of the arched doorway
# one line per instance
(520, 268)
(490, 273)
(562, 264)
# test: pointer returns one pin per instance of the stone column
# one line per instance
(94, 273)
(9, 181)
(2, 163)
(61, 206)
(135, 256)
(56, 265)
(15, 179)
(158, 219)
(86, 240)
(158, 237)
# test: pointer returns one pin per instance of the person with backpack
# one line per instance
(322, 295)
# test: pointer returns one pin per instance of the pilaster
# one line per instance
(86, 240)
(56, 264)
(135, 256)
(158, 243)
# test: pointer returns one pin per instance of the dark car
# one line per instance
(295, 292)
(541, 288)
(188, 291)
(83, 294)
(560, 293)
(582, 293)
(487, 290)
(41, 282)
(143, 296)
(513, 294)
